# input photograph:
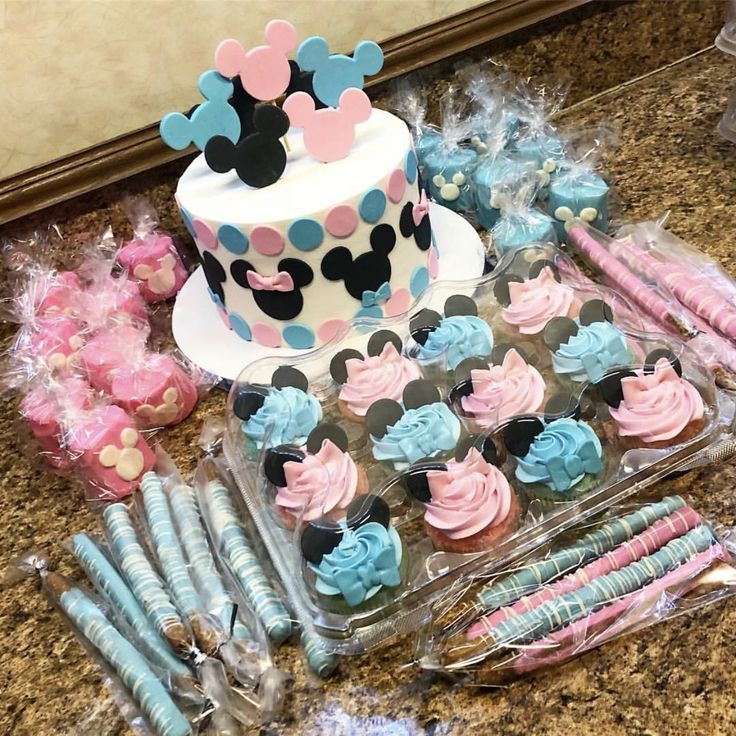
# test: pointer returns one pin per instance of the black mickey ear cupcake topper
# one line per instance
(376, 344)
(651, 360)
(287, 375)
(259, 158)
(250, 397)
(416, 478)
(427, 320)
(320, 537)
(610, 386)
(384, 413)
(501, 287)
(520, 433)
(483, 443)
(595, 310)
(558, 331)
(538, 266)
(327, 431)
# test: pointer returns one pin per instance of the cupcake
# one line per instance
(423, 427)
(469, 504)
(451, 338)
(557, 457)
(280, 414)
(321, 482)
(654, 406)
(495, 393)
(359, 562)
(529, 305)
(383, 374)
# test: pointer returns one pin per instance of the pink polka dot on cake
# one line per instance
(433, 263)
(398, 303)
(205, 234)
(341, 221)
(267, 240)
(266, 335)
(329, 328)
(396, 185)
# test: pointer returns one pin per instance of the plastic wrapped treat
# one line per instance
(633, 568)
(52, 340)
(520, 223)
(449, 166)
(154, 389)
(56, 292)
(477, 464)
(109, 452)
(151, 256)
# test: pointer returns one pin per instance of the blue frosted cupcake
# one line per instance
(445, 341)
(281, 414)
(585, 348)
(558, 457)
(423, 427)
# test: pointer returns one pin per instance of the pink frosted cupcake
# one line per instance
(321, 482)
(529, 305)
(654, 406)
(495, 393)
(470, 506)
(383, 374)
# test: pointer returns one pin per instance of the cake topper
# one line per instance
(334, 73)
(264, 70)
(214, 117)
(329, 133)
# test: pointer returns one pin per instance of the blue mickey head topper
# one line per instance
(334, 73)
(213, 117)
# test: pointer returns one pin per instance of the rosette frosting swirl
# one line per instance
(365, 560)
(426, 431)
(502, 391)
(657, 406)
(460, 336)
(536, 301)
(589, 354)
(286, 417)
(376, 377)
(469, 496)
(561, 454)
(321, 483)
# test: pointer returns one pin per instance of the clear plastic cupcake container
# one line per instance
(726, 39)
(727, 125)
(375, 501)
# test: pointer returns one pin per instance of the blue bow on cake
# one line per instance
(355, 584)
(564, 470)
(374, 298)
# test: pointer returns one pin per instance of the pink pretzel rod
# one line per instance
(622, 277)
(573, 639)
(695, 293)
(660, 533)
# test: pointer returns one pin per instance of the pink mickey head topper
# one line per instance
(329, 133)
(264, 71)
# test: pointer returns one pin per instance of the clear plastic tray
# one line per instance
(429, 571)
(727, 125)
(726, 39)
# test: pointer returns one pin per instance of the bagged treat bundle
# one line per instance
(448, 168)
(380, 469)
(633, 568)
(151, 256)
(520, 223)
(411, 105)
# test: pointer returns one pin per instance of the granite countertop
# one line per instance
(676, 677)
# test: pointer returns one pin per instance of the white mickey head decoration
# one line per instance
(164, 413)
(449, 191)
(128, 461)
(160, 280)
(59, 361)
(543, 174)
(568, 217)
(479, 145)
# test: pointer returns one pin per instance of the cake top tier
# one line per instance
(307, 185)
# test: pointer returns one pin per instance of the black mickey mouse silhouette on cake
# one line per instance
(414, 220)
(278, 296)
(215, 275)
(369, 271)
(259, 159)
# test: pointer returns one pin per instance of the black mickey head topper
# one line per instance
(369, 271)
(385, 413)
(427, 320)
(408, 226)
(277, 457)
(501, 348)
(651, 360)
(259, 159)
(244, 105)
(559, 330)
(302, 82)
(463, 371)
(278, 296)
(610, 386)
(249, 398)
(321, 536)
(376, 344)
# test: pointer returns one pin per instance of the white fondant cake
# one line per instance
(289, 263)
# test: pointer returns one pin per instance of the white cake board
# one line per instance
(203, 337)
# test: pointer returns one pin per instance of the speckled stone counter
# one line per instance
(675, 678)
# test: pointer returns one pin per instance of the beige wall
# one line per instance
(77, 72)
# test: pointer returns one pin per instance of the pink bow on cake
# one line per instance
(420, 209)
(282, 281)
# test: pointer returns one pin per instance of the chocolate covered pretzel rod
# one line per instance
(146, 689)
(650, 540)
